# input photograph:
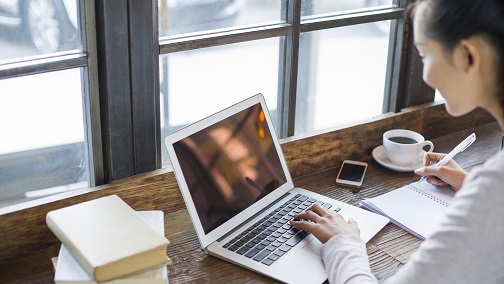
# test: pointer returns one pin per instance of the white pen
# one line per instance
(460, 147)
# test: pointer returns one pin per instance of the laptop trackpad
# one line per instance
(313, 246)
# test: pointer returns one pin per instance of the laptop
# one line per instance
(240, 196)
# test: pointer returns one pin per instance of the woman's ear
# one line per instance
(468, 55)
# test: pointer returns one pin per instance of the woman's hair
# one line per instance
(450, 21)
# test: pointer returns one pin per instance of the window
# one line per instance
(304, 56)
(44, 98)
(89, 89)
(331, 62)
(249, 68)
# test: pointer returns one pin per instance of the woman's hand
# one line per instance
(450, 174)
(324, 224)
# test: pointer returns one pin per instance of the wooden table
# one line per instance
(388, 250)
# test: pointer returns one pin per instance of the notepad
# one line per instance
(417, 207)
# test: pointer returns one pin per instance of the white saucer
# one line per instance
(381, 157)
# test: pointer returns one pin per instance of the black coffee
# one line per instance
(403, 140)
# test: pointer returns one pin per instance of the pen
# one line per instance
(460, 147)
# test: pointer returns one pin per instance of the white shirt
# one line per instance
(467, 247)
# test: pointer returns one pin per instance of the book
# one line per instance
(69, 271)
(108, 238)
(417, 207)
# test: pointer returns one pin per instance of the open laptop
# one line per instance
(240, 195)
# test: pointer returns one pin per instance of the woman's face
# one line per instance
(442, 71)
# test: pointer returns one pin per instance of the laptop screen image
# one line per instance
(230, 165)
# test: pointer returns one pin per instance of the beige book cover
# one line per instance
(69, 271)
(108, 238)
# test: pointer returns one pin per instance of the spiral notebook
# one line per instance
(417, 207)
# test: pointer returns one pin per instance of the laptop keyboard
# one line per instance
(271, 237)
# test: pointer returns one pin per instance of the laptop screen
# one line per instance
(230, 165)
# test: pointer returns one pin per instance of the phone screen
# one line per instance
(352, 172)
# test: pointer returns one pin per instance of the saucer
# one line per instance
(381, 157)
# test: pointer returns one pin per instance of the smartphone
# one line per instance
(352, 174)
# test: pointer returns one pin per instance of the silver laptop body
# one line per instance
(237, 188)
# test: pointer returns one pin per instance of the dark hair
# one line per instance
(450, 21)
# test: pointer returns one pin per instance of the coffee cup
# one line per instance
(403, 147)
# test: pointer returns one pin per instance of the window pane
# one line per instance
(341, 76)
(41, 125)
(186, 16)
(314, 7)
(34, 27)
(196, 84)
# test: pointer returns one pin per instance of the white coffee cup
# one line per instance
(403, 147)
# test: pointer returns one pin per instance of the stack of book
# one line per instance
(106, 241)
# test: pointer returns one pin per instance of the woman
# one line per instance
(461, 43)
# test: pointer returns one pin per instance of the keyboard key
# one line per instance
(271, 248)
(279, 252)
(256, 241)
(286, 227)
(242, 250)
(271, 229)
(271, 239)
(240, 243)
(282, 240)
(261, 255)
(252, 253)
(265, 243)
(276, 244)
(276, 235)
(273, 256)
(267, 262)
(277, 225)
(260, 247)
(286, 219)
(284, 248)
(233, 248)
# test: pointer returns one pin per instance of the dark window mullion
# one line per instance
(289, 51)
(115, 98)
(144, 70)
(395, 68)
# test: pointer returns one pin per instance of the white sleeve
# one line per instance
(346, 260)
